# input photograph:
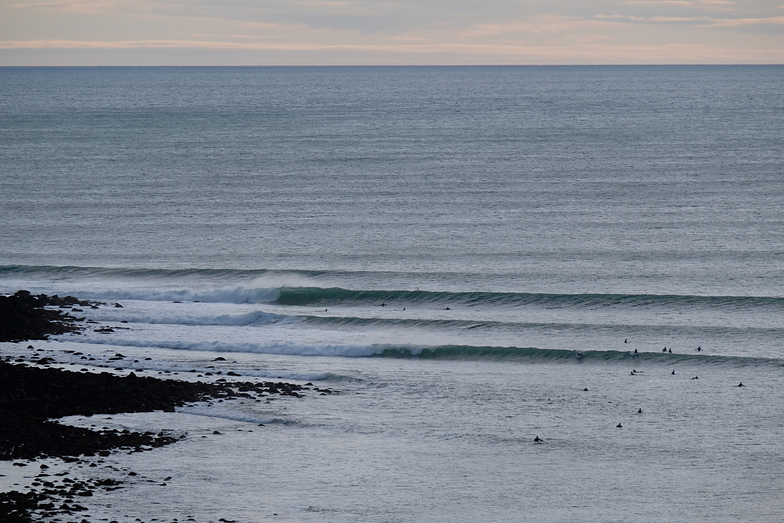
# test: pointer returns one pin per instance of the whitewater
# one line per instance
(471, 257)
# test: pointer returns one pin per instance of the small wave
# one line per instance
(120, 273)
(213, 411)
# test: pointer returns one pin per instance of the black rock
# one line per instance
(23, 317)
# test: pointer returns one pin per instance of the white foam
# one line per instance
(288, 349)
(228, 289)
(185, 318)
(231, 294)
(215, 411)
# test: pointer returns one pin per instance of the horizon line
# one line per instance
(663, 64)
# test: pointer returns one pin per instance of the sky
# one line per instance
(390, 32)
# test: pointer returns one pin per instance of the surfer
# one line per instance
(699, 349)
(664, 349)
(673, 372)
(635, 351)
(741, 384)
(670, 351)
(695, 378)
(619, 426)
(626, 340)
(639, 411)
(537, 439)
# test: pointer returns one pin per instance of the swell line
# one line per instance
(72, 271)
(443, 352)
(316, 296)
(493, 326)
(460, 352)
(275, 286)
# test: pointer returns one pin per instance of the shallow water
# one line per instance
(453, 440)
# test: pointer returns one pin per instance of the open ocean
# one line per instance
(459, 251)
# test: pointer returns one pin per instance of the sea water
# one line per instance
(460, 252)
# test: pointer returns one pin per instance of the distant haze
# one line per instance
(388, 32)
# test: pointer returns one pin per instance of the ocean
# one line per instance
(473, 257)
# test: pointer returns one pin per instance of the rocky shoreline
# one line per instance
(33, 393)
(23, 316)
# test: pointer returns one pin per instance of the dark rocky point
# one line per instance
(32, 394)
(23, 316)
